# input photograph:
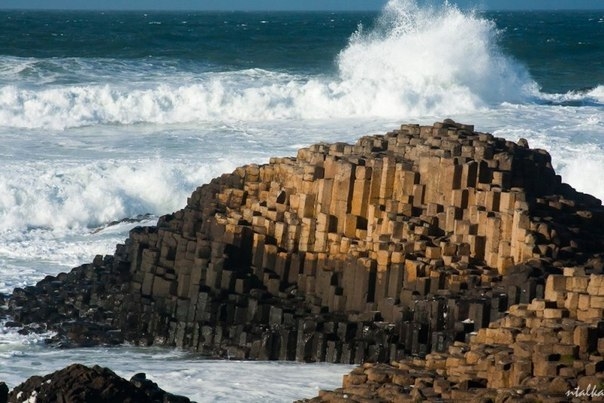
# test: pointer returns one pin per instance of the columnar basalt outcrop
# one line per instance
(403, 244)
(551, 350)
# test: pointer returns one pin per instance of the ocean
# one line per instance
(110, 119)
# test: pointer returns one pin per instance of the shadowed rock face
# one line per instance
(80, 384)
(400, 245)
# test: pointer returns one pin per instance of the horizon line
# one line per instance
(270, 9)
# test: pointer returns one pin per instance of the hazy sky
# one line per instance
(287, 4)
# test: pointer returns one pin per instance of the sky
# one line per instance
(286, 4)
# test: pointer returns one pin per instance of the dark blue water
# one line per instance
(563, 50)
(303, 41)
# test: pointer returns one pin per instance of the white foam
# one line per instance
(88, 194)
(594, 97)
(28, 256)
(597, 94)
(13, 344)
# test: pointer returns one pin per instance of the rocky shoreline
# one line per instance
(457, 260)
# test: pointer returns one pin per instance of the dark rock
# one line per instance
(3, 392)
(80, 384)
(523, 143)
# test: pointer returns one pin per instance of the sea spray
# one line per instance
(433, 60)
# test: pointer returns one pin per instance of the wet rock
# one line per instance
(80, 384)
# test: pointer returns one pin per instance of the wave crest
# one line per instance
(441, 57)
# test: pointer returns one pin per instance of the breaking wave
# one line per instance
(416, 61)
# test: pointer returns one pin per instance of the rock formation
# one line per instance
(80, 384)
(401, 245)
(550, 350)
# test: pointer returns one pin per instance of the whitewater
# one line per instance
(94, 145)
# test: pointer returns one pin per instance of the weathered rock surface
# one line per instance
(402, 245)
(80, 384)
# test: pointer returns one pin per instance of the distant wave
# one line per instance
(417, 61)
(588, 97)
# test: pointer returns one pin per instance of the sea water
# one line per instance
(111, 119)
